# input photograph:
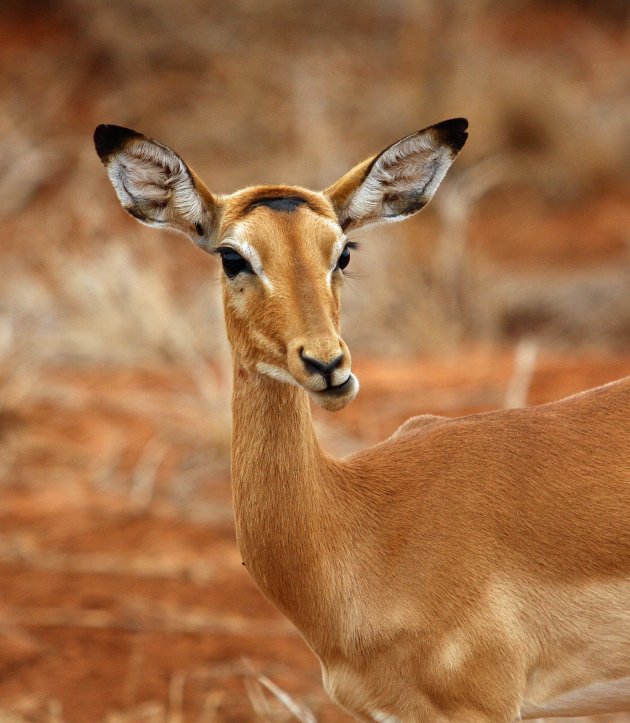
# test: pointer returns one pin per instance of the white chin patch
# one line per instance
(332, 400)
(277, 373)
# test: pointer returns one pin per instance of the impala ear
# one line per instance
(399, 181)
(155, 186)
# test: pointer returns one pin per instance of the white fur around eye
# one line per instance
(237, 239)
(337, 249)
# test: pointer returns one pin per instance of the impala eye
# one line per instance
(233, 263)
(344, 259)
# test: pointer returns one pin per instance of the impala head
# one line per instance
(283, 249)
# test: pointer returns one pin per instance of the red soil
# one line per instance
(109, 605)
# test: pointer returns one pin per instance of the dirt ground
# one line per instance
(123, 594)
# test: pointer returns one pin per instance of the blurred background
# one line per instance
(122, 595)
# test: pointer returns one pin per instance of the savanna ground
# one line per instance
(122, 594)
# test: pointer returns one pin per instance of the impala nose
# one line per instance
(317, 366)
(319, 362)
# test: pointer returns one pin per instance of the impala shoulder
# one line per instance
(420, 422)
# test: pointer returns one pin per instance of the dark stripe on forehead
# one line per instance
(286, 204)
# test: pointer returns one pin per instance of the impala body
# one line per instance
(468, 570)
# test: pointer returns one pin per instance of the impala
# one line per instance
(468, 570)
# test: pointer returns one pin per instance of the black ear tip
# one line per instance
(453, 132)
(110, 138)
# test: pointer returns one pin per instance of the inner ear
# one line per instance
(154, 184)
(400, 180)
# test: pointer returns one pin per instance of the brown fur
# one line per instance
(500, 531)
(466, 570)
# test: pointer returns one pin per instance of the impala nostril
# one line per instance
(316, 366)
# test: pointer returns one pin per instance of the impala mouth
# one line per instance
(339, 389)
(337, 397)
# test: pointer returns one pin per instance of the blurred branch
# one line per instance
(525, 357)
(454, 205)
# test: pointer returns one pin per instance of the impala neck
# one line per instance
(279, 478)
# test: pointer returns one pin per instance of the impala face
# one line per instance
(283, 249)
(283, 261)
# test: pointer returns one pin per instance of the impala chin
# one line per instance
(335, 398)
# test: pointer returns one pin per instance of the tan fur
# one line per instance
(469, 570)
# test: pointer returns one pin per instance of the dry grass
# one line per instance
(211, 84)
(108, 306)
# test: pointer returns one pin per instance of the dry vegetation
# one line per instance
(122, 596)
